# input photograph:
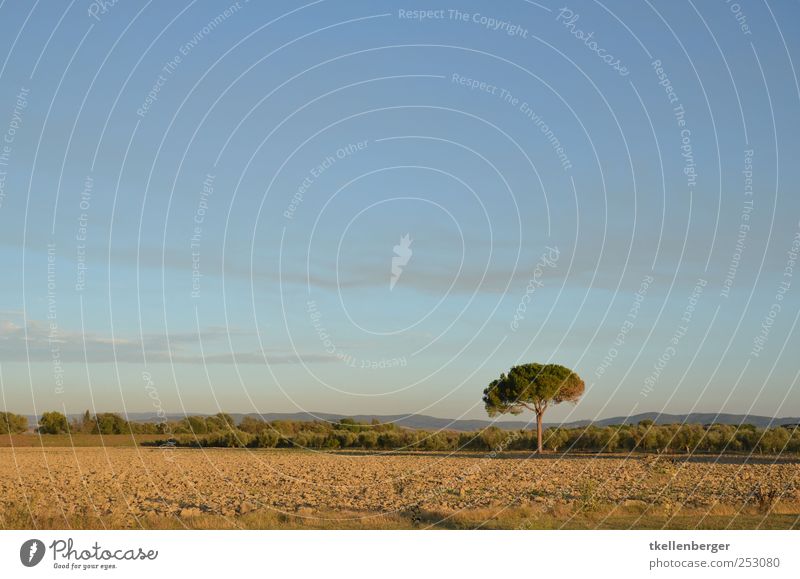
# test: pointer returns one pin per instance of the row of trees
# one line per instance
(57, 423)
(101, 423)
(675, 438)
(221, 430)
(643, 437)
(112, 423)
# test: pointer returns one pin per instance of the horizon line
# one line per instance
(319, 414)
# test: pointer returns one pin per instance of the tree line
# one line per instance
(642, 437)
(221, 430)
(55, 422)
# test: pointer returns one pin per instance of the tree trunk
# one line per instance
(539, 431)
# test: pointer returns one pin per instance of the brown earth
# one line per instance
(122, 487)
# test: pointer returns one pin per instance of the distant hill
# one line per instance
(701, 418)
(423, 422)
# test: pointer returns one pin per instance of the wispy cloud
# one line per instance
(37, 342)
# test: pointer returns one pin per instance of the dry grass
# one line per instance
(513, 518)
(78, 440)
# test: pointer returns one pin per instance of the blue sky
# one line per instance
(240, 221)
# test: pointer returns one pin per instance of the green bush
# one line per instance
(53, 423)
(219, 430)
(110, 423)
(229, 439)
(12, 423)
(265, 439)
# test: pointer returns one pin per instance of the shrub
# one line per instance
(368, 439)
(110, 423)
(196, 424)
(53, 423)
(12, 423)
(229, 439)
(265, 439)
(253, 425)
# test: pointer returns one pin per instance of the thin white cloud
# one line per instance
(36, 342)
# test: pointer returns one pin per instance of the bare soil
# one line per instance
(228, 488)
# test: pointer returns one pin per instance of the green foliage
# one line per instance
(587, 500)
(774, 440)
(351, 425)
(110, 423)
(252, 425)
(53, 423)
(532, 387)
(196, 424)
(556, 439)
(12, 423)
(669, 438)
(228, 439)
(349, 434)
(679, 438)
(220, 421)
(147, 428)
(368, 440)
(265, 439)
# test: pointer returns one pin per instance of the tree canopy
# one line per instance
(53, 423)
(532, 387)
(12, 423)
